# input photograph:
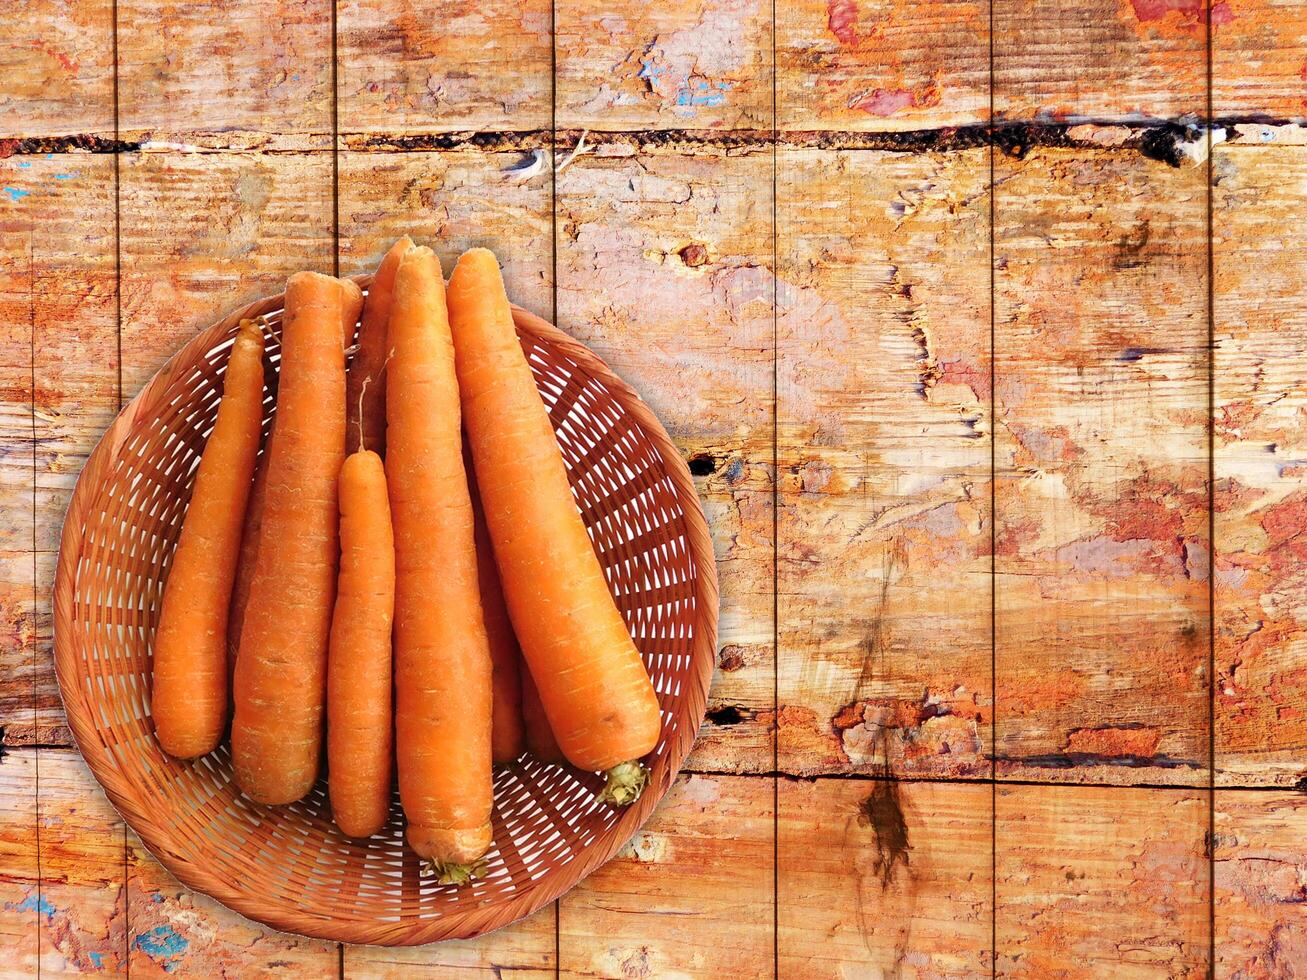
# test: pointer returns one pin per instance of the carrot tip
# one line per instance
(626, 781)
(456, 874)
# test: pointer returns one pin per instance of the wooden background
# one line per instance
(994, 380)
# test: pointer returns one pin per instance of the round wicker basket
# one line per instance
(288, 866)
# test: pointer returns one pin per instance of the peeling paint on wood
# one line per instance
(882, 64)
(57, 66)
(883, 414)
(1062, 60)
(635, 65)
(1261, 884)
(1096, 881)
(1261, 461)
(1102, 550)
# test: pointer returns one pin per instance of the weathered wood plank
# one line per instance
(1261, 458)
(1261, 884)
(205, 233)
(56, 57)
(884, 879)
(1099, 881)
(881, 64)
(236, 74)
(664, 268)
(1259, 58)
(21, 909)
(83, 871)
(523, 951)
(174, 931)
(452, 201)
(59, 289)
(408, 67)
(690, 895)
(1102, 557)
(1100, 60)
(884, 581)
(636, 65)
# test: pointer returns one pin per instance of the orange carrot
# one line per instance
(281, 667)
(506, 736)
(540, 741)
(592, 682)
(249, 553)
(358, 664)
(442, 660)
(365, 383)
(189, 699)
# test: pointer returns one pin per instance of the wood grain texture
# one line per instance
(452, 200)
(58, 293)
(421, 67)
(57, 68)
(204, 233)
(881, 64)
(522, 951)
(1101, 881)
(1259, 58)
(884, 583)
(176, 932)
(21, 909)
(884, 879)
(1261, 458)
(1060, 60)
(83, 897)
(636, 65)
(237, 71)
(1261, 884)
(664, 269)
(690, 895)
(1102, 550)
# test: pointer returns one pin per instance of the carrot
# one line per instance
(540, 741)
(245, 563)
(189, 700)
(358, 662)
(592, 682)
(365, 384)
(506, 736)
(442, 659)
(281, 666)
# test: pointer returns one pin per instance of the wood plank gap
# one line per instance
(1211, 507)
(553, 317)
(775, 511)
(31, 396)
(993, 539)
(118, 372)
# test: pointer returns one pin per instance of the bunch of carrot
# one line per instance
(434, 613)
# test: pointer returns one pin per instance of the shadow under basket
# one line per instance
(289, 866)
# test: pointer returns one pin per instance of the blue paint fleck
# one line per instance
(64, 176)
(735, 470)
(651, 72)
(16, 194)
(24, 165)
(703, 93)
(33, 903)
(156, 897)
(162, 942)
(97, 959)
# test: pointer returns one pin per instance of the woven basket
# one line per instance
(289, 866)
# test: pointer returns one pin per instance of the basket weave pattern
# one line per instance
(289, 866)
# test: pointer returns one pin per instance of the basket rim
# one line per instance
(137, 811)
